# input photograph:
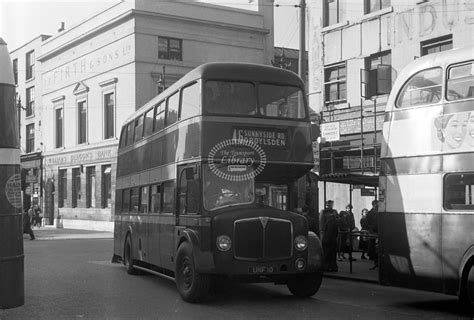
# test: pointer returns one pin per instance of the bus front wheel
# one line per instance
(305, 286)
(128, 257)
(192, 286)
(470, 286)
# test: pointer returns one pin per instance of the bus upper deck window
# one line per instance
(226, 97)
(460, 82)
(281, 101)
(422, 88)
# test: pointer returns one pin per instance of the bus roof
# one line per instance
(440, 59)
(231, 71)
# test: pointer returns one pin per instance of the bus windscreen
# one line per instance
(240, 98)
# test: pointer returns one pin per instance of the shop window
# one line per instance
(460, 82)
(30, 65)
(379, 68)
(81, 122)
(30, 138)
(59, 112)
(335, 83)
(62, 187)
(76, 186)
(437, 45)
(90, 187)
(30, 101)
(106, 186)
(170, 48)
(333, 12)
(459, 191)
(109, 115)
(375, 5)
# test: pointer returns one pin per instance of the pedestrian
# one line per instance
(372, 225)
(364, 228)
(346, 225)
(27, 223)
(328, 230)
(37, 213)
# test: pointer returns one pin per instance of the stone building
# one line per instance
(356, 50)
(94, 74)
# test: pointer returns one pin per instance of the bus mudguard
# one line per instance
(466, 260)
(203, 260)
(315, 253)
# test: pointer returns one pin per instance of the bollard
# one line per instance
(11, 227)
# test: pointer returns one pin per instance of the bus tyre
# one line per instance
(305, 286)
(128, 257)
(467, 296)
(192, 286)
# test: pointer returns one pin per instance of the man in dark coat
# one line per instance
(372, 225)
(329, 229)
(27, 223)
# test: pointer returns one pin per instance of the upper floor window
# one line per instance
(59, 126)
(81, 122)
(138, 128)
(109, 110)
(437, 45)
(170, 49)
(379, 67)
(422, 88)
(30, 101)
(460, 81)
(30, 64)
(15, 70)
(148, 123)
(30, 138)
(335, 83)
(159, 116)
(375, 5)
(333, 12)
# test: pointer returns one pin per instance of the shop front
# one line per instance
(79, 188)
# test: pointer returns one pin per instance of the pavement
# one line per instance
(53, 233)
(360, 270)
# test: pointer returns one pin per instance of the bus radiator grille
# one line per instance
(262, 239)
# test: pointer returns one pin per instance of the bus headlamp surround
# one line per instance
(301, 243)
(223, 243)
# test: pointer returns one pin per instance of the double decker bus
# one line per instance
(426, 209)
(207, 182)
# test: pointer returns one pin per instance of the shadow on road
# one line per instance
(450, 307)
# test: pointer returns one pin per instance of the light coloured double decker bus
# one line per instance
(426, 209)
(207, 180)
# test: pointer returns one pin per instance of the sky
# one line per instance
(24, 20)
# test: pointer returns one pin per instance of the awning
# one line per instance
(351, 178)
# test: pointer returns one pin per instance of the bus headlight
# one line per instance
(301, 243)
(223, 243)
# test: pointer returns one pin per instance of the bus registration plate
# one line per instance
(262, 269)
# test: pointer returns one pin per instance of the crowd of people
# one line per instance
(336, 231)
(32, 217)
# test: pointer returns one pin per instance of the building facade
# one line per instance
(356, 50)
(29, 108)
(94, 74)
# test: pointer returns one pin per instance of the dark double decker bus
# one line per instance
(207, 182)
